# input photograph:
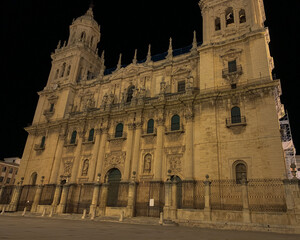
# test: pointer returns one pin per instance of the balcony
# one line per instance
(39, 147)
(236, 121)
(226, 73)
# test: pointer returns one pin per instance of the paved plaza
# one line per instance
(17, 227)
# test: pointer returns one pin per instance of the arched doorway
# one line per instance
(114, 179)
(178, 190)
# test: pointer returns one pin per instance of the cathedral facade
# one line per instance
(199, 119)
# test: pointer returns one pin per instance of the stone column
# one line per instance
(63, 200)
(188, 163)
(56, 198)
(174, 199)
(12, 207)
(1, 191)
(246, 211)
(77, 159)
(128, 152)
(101, 155)
(131, 199)
(95, 198)
(37, 196)
(159, 150)
(168, 199)
(207, 206)
(136, 149)
(57, 159)
(92, 168)
(103, 199)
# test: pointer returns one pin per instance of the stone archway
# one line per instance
(178, 190)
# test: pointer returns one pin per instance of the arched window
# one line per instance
(92, 40)
(73, 137)
(33, 178)
(175, 123)
(79, 74)
(68, 70)
(63, 68)
(150, 126)
(91, 135)
(240, 172)
(42, 145)
(56, 74)
(217, 24)
(119, 130)
(236, 115)
(114, 179)
(82, 37)
(242, 16)
(130, 93)
(229, 17)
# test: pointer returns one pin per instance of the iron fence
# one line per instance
(6, 194)
(47, 194)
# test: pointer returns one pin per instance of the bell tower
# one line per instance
(227, 19)
(77, 59)
(74, 62)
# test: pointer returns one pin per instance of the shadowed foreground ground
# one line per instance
(16, 227)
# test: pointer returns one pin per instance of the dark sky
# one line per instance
(31, 29)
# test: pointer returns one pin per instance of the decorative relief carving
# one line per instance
(174, 158)
(68, 164)
(85, 167)
(114, 159)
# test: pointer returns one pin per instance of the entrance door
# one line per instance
(114, 179)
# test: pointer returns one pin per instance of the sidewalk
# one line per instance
(134, 220)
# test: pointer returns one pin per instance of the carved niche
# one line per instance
(85, 167)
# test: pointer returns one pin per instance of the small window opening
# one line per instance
(51, 107)
(181, 86)
(91, 135)
(42, 145)
(68, 70)
(11, 170)
(119, 130)
(73, 137)
(233, 86)
(130, 93)
(56, 74)
(4, 169)
(63, 70)
(242, 15)
(217, 24)
(150, 126)
(236, 115)
(175, 123)
(229, 16)
(82, 37)
(232, 66)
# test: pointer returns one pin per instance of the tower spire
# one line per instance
(149, 54)
(194, 45)
(119, 62)
(170, 50)
(134, 61)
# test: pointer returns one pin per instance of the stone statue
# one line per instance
(85, 167)
(147, 163)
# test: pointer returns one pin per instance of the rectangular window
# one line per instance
(232, 66)
(181, 86)
(11, 170)
(1, 179)
(51, 107)
(7, 180)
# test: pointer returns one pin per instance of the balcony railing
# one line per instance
(226, 73)
(236, 121)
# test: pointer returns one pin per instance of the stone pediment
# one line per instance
(181, 70)
(130, 70)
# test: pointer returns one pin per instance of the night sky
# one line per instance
(31, 29)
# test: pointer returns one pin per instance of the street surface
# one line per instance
(17, 227)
